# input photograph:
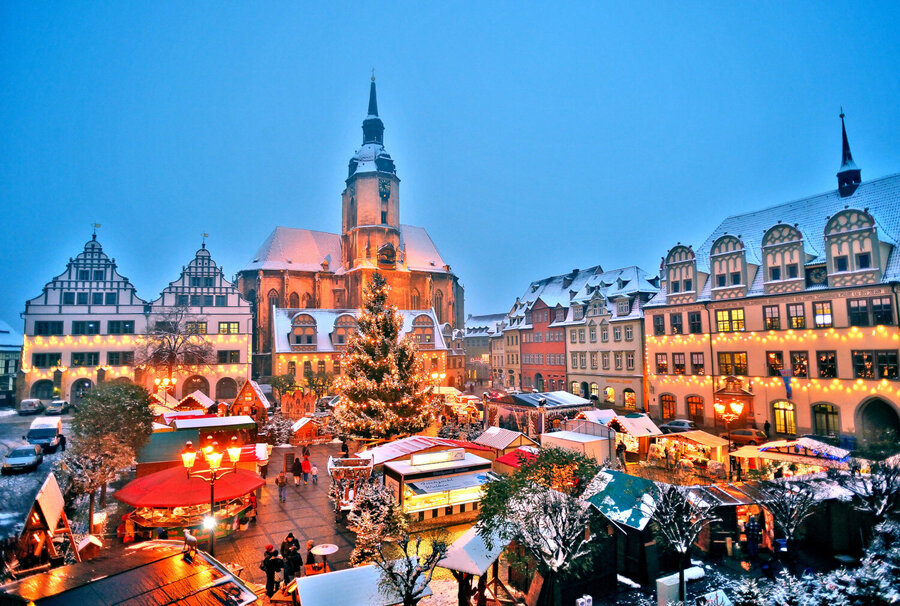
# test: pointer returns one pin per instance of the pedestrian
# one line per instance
(620, 453)
(162, 533)
(305, 451)
(296, 561)
(295, 471)
(767, 427)
(253, 505)
(670, 457)
(738, 469)
(289, 541)
(307, 467)
(271, 565)
(315, 474)
(281, 483)
(345, 450)
(264, 470)
(753, 532)
(62, 442)
(310, 556)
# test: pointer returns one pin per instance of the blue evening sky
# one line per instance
(531, 138)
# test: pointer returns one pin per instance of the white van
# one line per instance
(45, 432)
(30, 406)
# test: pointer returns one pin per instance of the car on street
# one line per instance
(45, 433)
(57, 407)
(30, 406)
(23, 458)
(743, 437)
(678, 425)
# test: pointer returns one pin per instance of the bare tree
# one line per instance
(790, 503)
(679, 521)
(876, 493)
(405, 575)
(176, 338)
(95, 462)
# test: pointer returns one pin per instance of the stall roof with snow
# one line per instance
(405, 447)
(623, 499)
(197, 400)
(469, 553)
(214, 422)
(636, 424)
(804, 450)
(359, 586)
(700, 437)
(499, 438)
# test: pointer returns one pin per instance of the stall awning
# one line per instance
(754, 452)
(466, 480)
(172, 488)
(359, 586)
(470, 554)
(700, 437)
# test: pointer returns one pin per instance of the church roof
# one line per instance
(305, 250)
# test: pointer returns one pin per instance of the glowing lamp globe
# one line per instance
(234, 451)
(214, 457)
(188, 456)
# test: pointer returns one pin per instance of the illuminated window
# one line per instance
(800, 364)
(774, 363)
(825, 420)
(732, 363)
(822, 314)
(196, 328)
(229, 357)
(630, 398)
(678, 365)
(772, 317)
(662, 364)
(667, 403)
(695, 408)
(796, 313)
(730, 320)
(91, 358)
(229, 328)
(785, 421)
(827, 364)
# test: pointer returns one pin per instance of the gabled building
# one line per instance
(10, 359)
(790, 311)
(477, 343)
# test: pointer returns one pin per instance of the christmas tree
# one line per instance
(383, 393)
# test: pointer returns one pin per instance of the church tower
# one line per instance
(371, 200)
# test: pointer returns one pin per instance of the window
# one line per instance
(774, 274)
(182, 300)
(676, 287)
(46, 360)
(120, 327)
(796, 313)
(695, 408)
(618, 360)
(695, 322)
(84, 274)
(97, 298)
(825, 420)
(659, 325)
(581, 335)
(629, 398)
(228, 328)
(697, 365)
(48, 328)
(733, 363)
(827, 364)
(592, 334)
(730, 320)
(582, 360)
(841, 263)
(678, 364)
(320, 367)
(81, 358)
(195, 328)
(870, 312)
(574, 356)
(881, 311)
(772, 317)
(82, 298)
(68, 298)
(111, 298)
(774, 363)
(784, 417)
(800, 364)
(688, 285)
(120, 358)
(221, 300)
(617, 333)
(793, 271)
(604, 334)
(667, 402)
(629, 333)
(604, 360)
(662, 364)
(858, 312)
(875, 364)
(292, 368)
(623, 307)
(86, 327)
(721, 281)
(822, 314)
(577, 312)
(307, 368)
(675, 321)
(863, 260)
(735, 278)
(593, 359)
(560, 314)
(573, 336)
(629, 360)
(336, 366)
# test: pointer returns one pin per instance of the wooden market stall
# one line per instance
(469, 556)
(693, 451)
(347, 475)
(794, 457)
(635, 430)
(502, 441)
(250, 401)
(358, 586)
(533, 413)
(196, 401)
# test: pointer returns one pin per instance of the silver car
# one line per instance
(678, 425)
(23, 458)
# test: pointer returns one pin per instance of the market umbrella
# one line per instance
(172, 488)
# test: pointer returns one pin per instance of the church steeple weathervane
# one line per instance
(849, 175)
(373, 127)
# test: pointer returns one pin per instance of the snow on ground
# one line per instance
(7, 413)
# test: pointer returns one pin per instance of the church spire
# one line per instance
(849, 175)
(373, 127)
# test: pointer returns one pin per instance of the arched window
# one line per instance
(303, 330)
(226, 389)
(539, 381)
(273, 299)
(595, 390)
(193, 384)
(423, 331)
(667, 403)
(785, 419)
(826, 421)
(307, 301)
(695, 408)
(630, 398)
(439, 305)
(344, 325)
(415, 301)
(294, 301)
(42, 390)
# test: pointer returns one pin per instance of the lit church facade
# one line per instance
(305, 269)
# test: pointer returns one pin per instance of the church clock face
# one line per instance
(384, 188)
(818, 275)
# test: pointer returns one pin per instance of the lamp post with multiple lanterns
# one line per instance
(438, 376)
(213, 457)
(728, 416)
(163, 386)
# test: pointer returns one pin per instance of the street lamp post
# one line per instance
(162, 385)
(213, 457)
(729, 415)
(436, 376)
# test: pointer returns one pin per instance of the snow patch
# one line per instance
(7, 413)
(626, 581)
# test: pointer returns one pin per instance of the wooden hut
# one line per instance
(251, 401)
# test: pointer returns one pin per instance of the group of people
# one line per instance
(289, 561)
(299, 468)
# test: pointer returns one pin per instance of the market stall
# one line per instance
(794, 457)
(689, 452)
(346, 476)
(533, 413)
(360, 586)
(734, 504)
(600, 448)
(635, 430)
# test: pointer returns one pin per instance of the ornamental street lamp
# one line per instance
(213, 457)
(729, 416)
(438, 376)
(162, 385)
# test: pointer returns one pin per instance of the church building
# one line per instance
(305, 269)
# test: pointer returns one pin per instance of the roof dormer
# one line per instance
(852, 248)
(682, 279)
(728, 266)
(783, 259)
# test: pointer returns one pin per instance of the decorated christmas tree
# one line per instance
(383, 391)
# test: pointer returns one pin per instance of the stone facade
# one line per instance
(479, 332)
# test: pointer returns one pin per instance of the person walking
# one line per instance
(620, 453)
(307, 468)
(753, 532)
(295, 471)
(271, 564)
(767, 427)
(315, 474)
(281, 483)
(62, 442)
(305, 451)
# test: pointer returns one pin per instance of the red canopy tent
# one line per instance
(172, 488)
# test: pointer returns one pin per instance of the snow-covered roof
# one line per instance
(635, 424)
(10, 340)
(484, 326)
(325, 324)
(405, 467)
(299, 423)
(258, 392)
(700, 437)
(199, 397)
(407, 446)
(213, 422)
(470, 554)
(621, 498)
(572, 436)
(499, 438)
(550, 399)
(360, 586)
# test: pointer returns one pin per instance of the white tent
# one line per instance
(598, 448)
(358, 586)
(470, 554)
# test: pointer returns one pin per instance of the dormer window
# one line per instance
(688, 285)
(721, 281)
(735, 278)
(676, 286)
(793, 271)
(863, 261)
(303, 331)
(623, 307)
(774, 274)
(578, 312)
(841, 263)
(560, 314)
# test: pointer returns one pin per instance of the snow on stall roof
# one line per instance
(404, 467)
(621, 498)
(572, 436)
(299, 423)
(549, 399)
(498, 437)
(469, 553)
(407, 446)
(359, 586)
(200, 397)
(212, 421)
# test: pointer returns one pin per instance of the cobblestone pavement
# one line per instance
(307, 513)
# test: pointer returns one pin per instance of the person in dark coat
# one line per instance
(345, 450)
(305, 451)
(295, 559)
(766, 428)
(310, 556)
(296, 470)
(62, 443)
(271, 565)
(753, 532)
(289, 541)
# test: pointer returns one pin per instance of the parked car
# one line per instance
(23, 458)
(678, 425)
(57, 407)
(30, 406)
(742, 437)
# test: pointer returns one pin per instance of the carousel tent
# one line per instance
(172, 488)
(359, 586)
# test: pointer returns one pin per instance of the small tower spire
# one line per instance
(373, 127)
(94, 227)
(849, 175)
